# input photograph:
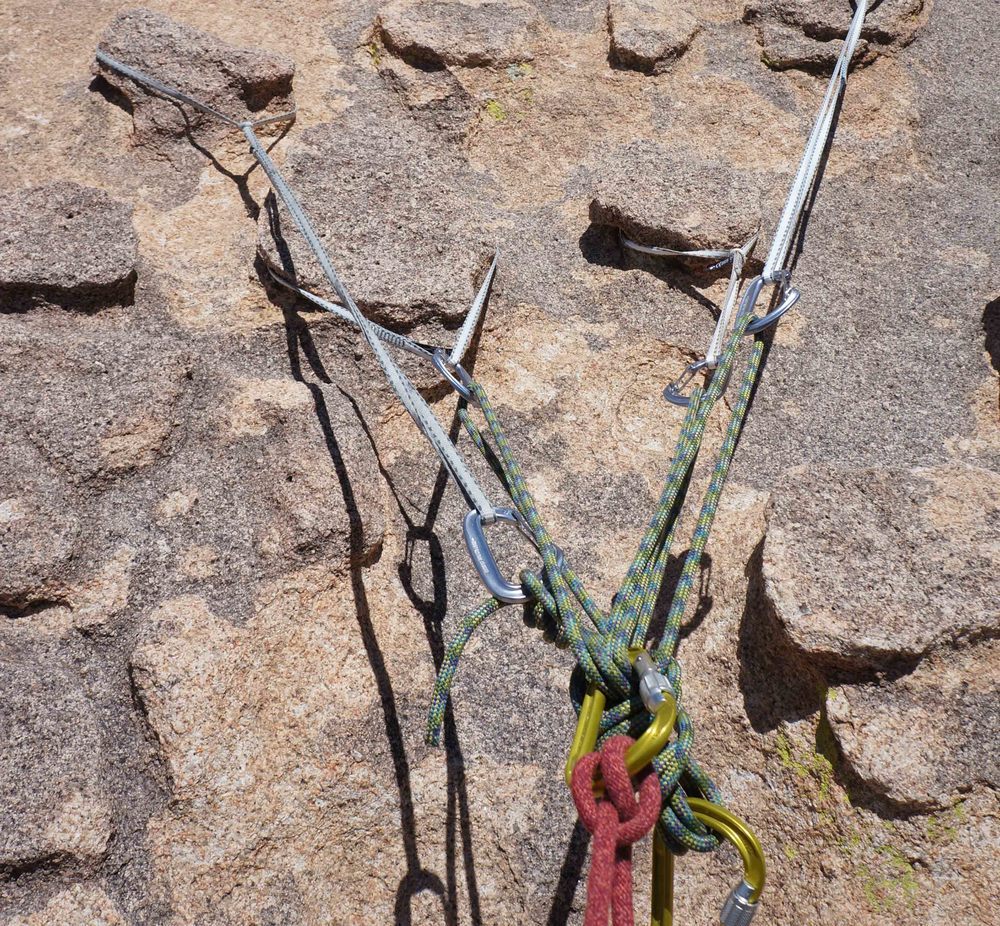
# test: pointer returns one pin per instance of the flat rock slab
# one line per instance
(647, 36)
(38, 531)
(665, 196)
(239, 82)
(923, 740)
(65, 244)
(435, 98)
(442, 33)
(95, 401)
(808, 34)
(405, 221)
(50, 765)
(930, 543)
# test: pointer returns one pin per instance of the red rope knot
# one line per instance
(616, 822)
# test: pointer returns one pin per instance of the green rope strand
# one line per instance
(562, 609)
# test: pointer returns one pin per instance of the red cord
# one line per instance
(616, 824)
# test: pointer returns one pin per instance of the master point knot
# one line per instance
(616, 821)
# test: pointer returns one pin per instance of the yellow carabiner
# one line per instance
(652, 741)
(741, 904)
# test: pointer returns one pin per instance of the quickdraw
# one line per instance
(620, 687)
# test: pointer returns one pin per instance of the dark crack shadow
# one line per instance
(991, 332)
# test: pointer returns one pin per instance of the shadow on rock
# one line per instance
(458, 817)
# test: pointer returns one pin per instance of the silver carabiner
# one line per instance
(497, 584)
(673, 392)
(454, 373)
(790, 295)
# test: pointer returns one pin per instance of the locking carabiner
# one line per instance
(658, 698)
(743, 900)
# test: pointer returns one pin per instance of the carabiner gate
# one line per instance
(497, 584)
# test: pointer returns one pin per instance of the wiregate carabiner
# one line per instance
(742, 902)
(673, 393)
(497, 584)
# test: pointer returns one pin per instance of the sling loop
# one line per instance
(563, 610)
(555, 599)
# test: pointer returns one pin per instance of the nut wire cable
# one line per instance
(405, 391)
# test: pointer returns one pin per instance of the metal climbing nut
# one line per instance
(790, 295)
(739, 909)
(497, 584)
(454, 373)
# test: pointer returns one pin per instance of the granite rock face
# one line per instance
(435, 98)
(109, 404)
(930, 542)
(38, 531)
(79, 905)
(646, 36)
(660, 196)
(230, 568)
(806, 34)
(350, 174)
(928, 738)
(238, 82)
(459, 33)
(50, 766)
(66, 244)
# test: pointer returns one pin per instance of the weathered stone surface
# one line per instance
(646, 35)
(925, 739)
(865, 568)
(258, 725)
(79, 905)
(65, 243)
(50, 765)
(665, 196)
(108, 401)
(281, 475)
(807, 34)
(435, 98)
(464, 33)
(291, 704)
(38, 531)
(351, 175)
(235, 81)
